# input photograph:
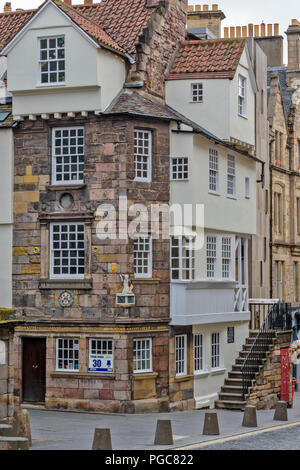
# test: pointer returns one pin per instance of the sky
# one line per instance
(238, 12)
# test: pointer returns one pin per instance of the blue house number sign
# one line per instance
(101, 363)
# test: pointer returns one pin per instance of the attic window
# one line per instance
(52, 60)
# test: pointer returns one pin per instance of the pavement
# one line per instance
(61, 430)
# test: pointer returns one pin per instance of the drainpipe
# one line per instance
(271, 218)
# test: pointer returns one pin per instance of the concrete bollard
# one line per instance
(250, 419)
(281, 411)
(163, 435)
(211, 425)
(102, 439)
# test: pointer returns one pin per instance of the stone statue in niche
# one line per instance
(126, 298)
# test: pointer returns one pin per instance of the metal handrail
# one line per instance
(278, 318)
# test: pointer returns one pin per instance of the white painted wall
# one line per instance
(208, 383)
(93, 75)
(221, 213)
(6, 217)
(218, 113)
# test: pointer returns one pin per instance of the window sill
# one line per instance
(51, 85)
(80, 375)
(218, 371)
(144, 375)
(231, 197)
(201, 375)
(145, 280)
(214, 193)
(65, 187)
(180, 180)
(53, 284)
(183, 378)
(242, 116)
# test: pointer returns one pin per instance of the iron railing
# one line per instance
(278, 318)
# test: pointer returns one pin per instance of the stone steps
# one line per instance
(228, 396)
(230, 405)
(5, 430)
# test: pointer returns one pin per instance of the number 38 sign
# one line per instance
(101, 363)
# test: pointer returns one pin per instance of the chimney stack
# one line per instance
(267, 37)
(203, 17)
(7, 7)
(293, 36)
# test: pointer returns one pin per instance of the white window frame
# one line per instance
(216, 353)
(199, 352)
(226, 256)
(57, 59)
(179, 169)
(182, 350)
(231, 175)
(140, 341)
(213, 172)
(143, 154)
(191, 258)
(148, 273)
(211, 254)
(57, 349)
(197, 92)
(65, 182)
(242, 96)
(52, 250)
(102, 349)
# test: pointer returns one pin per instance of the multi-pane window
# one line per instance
(295, 279)
(101, 355)
(298, 154)
(215, 350)
(278, 279)
(52, 60)
(226, 257)
(278, 212)
(181, 354)
(242, 101)
(198, 353)
(142, 155)
(231, 177)
(211, 256)
(182, 258)
(67, 354)
(197, 92)
(142, 355)
(213, 170)
(143, 256)
(67, 155)
(180, 168)
(67, 250)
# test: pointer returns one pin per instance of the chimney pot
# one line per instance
(198, 7)
(256, 31)
(215, 7)
(276, 29)
(250, 30)
(244, 30)
(191, 8)
(238, 31)
(205, 7)
(7, 7)
(88, 2)
(68, 2)
(226, 32)
(263, 30)
(270, 30)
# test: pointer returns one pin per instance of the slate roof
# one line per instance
(133, 103)
(6, 120)
(113, 23)
(207, 59)
(286, 93)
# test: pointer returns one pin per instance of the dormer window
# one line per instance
(52, 60)
(197, 93)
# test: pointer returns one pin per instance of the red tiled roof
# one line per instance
(123, 20)
(207, 59)
(90, 27)
(114, 23)
(11, 23)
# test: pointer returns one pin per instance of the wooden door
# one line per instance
(34, 369)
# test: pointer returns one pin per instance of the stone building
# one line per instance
(90, 132)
